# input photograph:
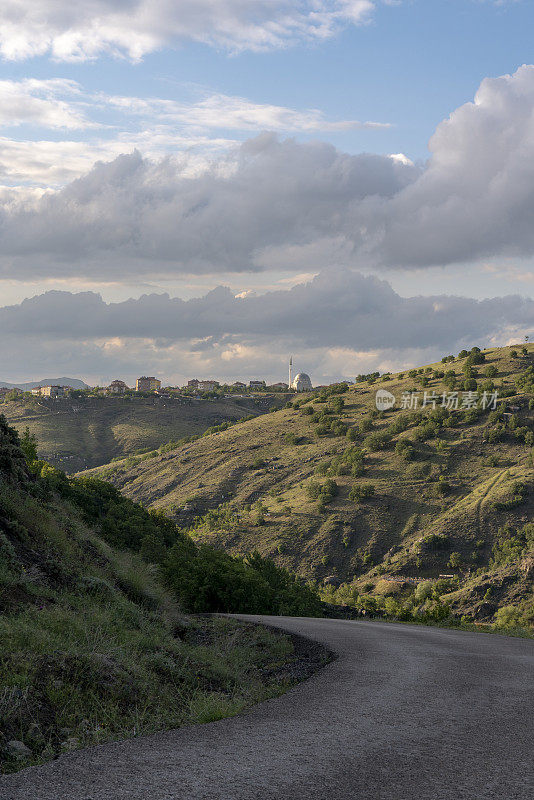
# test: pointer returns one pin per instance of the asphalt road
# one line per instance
(404, 713)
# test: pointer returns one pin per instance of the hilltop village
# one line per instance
(150, 385)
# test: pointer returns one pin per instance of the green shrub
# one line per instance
(444, 487)
(401, 423)
(423, 591)
(292, 438)
(427, 430)
(455, 560)
(324, 493)
(360, 492)
(432, 541)
(405, 449)
(509, 617)
(513, 544)
(322, 469)
(205, 579)
(377, 440)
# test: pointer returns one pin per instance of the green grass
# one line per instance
(89, 670)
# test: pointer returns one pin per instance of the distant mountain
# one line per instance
(74, 382)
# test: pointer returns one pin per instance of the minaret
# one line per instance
(290, 370)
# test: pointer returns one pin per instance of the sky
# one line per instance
(199, 188)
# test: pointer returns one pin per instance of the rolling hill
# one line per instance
(373, 503)
(75, 434)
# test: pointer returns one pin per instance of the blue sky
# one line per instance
(189, 83)
(410, 65)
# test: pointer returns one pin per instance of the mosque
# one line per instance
(301, 382)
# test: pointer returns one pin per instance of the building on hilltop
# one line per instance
(207, 386)
(117, 387)
(193, 383)
(239, 385)
(279, 385)
(145, 384)
(257, 384)
(50, 391)
(302, 383)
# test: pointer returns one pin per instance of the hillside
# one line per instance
(95, 646)
(75, 434)
(371, 503)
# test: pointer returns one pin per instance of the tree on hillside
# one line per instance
(28, 445)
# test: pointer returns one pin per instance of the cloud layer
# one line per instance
(154, 218)
(341, 319)
(259, 203)
(132, 28)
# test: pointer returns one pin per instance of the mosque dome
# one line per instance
(302, 383)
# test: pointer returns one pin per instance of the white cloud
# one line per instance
(336, 325)
(235, 113)
(133, 28)
(476, 196)
(153, 125)
(279, 204)
(52, 164)
(157, 218)
(38, 102)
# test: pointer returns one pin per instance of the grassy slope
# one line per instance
(93, 648)
(75, 434)
(352, 542)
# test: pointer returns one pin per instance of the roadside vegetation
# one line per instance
(96, 639)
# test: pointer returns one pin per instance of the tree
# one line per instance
(423, 591)
(338, 404)
(28, 445)
(470, 385)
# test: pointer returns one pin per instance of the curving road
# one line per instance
(404, 713)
